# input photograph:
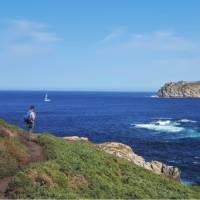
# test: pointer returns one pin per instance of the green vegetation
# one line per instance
(81, 170)
(13, 155)
(10, 127)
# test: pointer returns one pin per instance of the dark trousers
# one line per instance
(29, 129)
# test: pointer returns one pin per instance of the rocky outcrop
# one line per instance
(75, 138)
(181, 89)
(126, 152)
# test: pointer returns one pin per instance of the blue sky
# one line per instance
(120, 45)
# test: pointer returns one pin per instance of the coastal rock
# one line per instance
(117, 149)
(161, 168)
(181, 89)
(126, 152)
(75, 138)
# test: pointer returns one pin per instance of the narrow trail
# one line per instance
(4, 185)
(37, 155)
(36, 151)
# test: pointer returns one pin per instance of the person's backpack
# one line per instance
(27, 118)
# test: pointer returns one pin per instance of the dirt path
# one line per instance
(36, 156)
(36, 151)
(4, 184)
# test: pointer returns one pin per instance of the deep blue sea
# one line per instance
(167, 130)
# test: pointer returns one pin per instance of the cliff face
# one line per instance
(180, 89)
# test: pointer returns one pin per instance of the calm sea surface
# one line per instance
(167, 130)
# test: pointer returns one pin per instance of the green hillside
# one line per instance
(76, 170)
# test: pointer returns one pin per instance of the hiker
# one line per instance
(29, 120)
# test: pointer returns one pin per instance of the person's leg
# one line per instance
(29, 130)
(29, 134)
(31, 126)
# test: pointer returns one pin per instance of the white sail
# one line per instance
(46, 98)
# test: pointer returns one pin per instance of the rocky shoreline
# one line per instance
(181, 89)
(126, 152)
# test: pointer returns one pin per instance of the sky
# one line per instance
(98, 45)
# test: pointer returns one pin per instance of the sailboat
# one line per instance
(46, 99)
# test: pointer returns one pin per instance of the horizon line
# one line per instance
(59, 90)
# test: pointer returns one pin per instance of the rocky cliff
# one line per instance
(181, 89)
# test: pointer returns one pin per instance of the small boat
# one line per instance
(46, 99)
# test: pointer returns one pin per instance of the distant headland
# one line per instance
(181, 89)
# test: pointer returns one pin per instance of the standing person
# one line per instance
(30, 120)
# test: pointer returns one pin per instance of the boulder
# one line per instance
(75, 138)
(171, 171)
(118, 149)
(156, 166)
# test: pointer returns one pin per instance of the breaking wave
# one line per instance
(170, 126)
(187, 121)
(162, 126)
(154, 96)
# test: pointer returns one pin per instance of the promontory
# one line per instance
(181, 89)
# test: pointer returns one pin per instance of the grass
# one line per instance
(80, 170)
(10, 127)
(13, 154)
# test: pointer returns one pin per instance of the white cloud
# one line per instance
(36, 31)
(162, 41)
(25, 25)
(27, 38)
(158, 56)
(156, 41)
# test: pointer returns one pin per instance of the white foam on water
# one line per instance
(161, 126)
(170, 126)
(154, 96)
(187, 121)
(161, 118)
(162, 122)
(166, 122)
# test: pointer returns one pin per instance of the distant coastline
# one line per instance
(181, 89)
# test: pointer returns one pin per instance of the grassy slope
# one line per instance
(13, 154)
(80, 170)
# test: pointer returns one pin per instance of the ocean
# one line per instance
(167, 130)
